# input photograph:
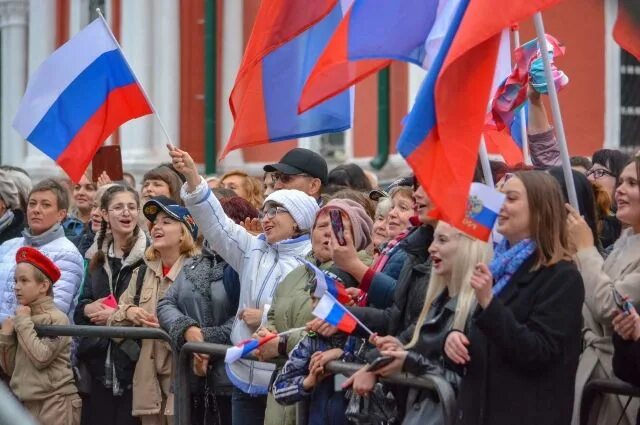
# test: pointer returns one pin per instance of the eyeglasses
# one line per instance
(286, 178)
(119, 209)
(271, 212)
(599, 173)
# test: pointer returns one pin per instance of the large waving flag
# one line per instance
(370, 35)
(285, 43)
(80, 95)
(442, 133)
(626, 30)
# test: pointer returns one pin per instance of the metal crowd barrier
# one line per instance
(182, 368)
(606, 386)
(434, 383)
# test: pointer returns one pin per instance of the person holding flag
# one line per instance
(291, 305)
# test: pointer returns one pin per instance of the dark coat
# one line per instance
(84, 240)
(524, 350)
(199, 297)
(410, 291)
(626, 362)
(14, 230)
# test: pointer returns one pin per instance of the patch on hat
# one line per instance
(150, 209)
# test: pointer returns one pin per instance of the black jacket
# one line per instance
(524, 350)
(14, 230)
(200, 297)
(410, 291)
(626, 361)
(85, 239)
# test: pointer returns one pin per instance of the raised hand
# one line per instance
(184, 164)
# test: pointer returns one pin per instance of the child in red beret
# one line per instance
(40, 367)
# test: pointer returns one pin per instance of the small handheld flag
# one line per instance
(483, 208)
(334, 313)
(326, 283)
(245, 347)
(80, 95)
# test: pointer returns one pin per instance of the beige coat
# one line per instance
(40, 368)
(622, 271)
(152, 376)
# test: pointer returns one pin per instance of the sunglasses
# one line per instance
(271, 212)
(599, 173)
(286, 178)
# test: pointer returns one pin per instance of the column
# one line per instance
(78, 16)
(136, 35)
(42, 35)
(13, 27)
(166, 73)
(232, 51)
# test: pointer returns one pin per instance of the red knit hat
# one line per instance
(26, 254)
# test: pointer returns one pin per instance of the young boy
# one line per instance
(303, 375)
(40, 367)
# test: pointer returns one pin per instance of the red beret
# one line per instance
(26, 254)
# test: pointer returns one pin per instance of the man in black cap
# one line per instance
(300, 169)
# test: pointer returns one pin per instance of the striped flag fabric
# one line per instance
(245, 347)
(326, 283)
(334, 313)
(80, 95)
(483, 208)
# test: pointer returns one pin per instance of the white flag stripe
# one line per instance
(324, 307)
(55, 74)
(491, 198)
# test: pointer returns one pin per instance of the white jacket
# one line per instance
(261, 267)
(63, 253)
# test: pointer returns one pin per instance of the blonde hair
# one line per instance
(252, 187)
(188, 246)
(469, 253)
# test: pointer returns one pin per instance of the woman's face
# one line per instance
(627, 198)
(96, 216)
(401, 212)
(443, 249)
(513, 220)
(601, 174)
(43, 212)
(84, 193)
(166, 233)
(380, 233)
(122, 213)
(235, 183)
(321, 238)
(277, 223)
(155, 187)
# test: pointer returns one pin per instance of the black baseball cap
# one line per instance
(301, 161)
(179, 213)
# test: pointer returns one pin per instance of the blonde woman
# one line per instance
(244, 186)
(173, 233)
(448, 303)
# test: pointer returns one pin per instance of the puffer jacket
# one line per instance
(198, 298)
(101, 283)
(154, 367)
(261, 267)
(61, 251)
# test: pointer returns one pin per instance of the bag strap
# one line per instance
(623, 411)
(142, 270)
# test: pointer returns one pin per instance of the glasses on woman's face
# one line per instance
(120, 208)
(271, 212)
(599, 173)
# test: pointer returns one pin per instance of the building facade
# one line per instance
(186, 54)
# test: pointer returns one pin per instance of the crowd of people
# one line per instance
(517, 326)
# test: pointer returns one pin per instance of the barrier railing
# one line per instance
(606, 386)
(182, 368)
(434, 383)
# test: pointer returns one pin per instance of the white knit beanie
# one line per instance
(302, 207)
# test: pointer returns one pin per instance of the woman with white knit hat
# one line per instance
(261, 261)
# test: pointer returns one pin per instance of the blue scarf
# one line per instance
(507, 260)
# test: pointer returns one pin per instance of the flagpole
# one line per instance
(523, 119)
(144, 92)
(555, 109)
(484, 162)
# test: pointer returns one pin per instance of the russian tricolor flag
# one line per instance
(80, 95)
(370, 35)
(334, 313)
(326, 283)
(245, 347)
(285, 43)
(442, 133)
(626, 31)
(483, 208)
